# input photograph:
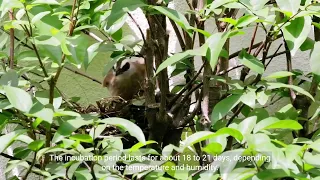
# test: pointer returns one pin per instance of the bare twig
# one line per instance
(253, 38)
(138, 26)
(186, 87)
(289, 68)
(17, 39)
(91, 34)
(30, 167)
(235, 54)
(274, 55)
(178, 34)
(229, 69)
(11, 41)
(82, 74)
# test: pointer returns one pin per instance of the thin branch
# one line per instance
(235, 54)
(274, 55)
(185, 99)
(289, 68)
(11, 41)
(84, 75)
(91, 34)
(185, 88)
(31, 166)
(35, 49)
(235, 114)
(138, 26)
(253, 38)
(178, 34)
(17, 39)
(229, 69)
(189, 118)
(190, 5)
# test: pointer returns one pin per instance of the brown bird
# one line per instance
(128, 80)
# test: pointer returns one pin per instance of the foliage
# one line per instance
(233, 137)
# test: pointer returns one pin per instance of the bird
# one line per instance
(128, 80)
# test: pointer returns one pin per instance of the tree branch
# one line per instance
(11, 41)
(138, 26)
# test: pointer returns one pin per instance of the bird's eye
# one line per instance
(123, 69)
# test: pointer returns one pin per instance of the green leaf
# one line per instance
(53, 2)
(307, 44)
(263, 97)
(315, 145)
(314, 59)
(82, 138)
(50, 46)
(8, 139)
(213, 148)
(217, 3)
(180, 56)
(18, 98)
(215, 44)
(45, 114)
(242, 173)
(116, 27)
(289, 5)
(264, 123)
(197, 137)
(36, 145)
(249, 97)
(176, 16)
(6, 5)
(287, 112)
(285, 124)
(247, 125)
(4, 119)
(279, 74)
(78, 46)
(43, 98)
(311, 159)
(120, 8)
(140, 145)
(39, 16)
(224, 107)
(47, 24)
(227, 167)
(10, 78)
(296, 88)
(246, 20)
(21, 152)
(255, 4)
(66, 113)
(69, 127)
(297, 32)
(231, 132)
(127, 125)
(251, 62)
(276, 174)
(292, 151)
(228, 20)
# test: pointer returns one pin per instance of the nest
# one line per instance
(118, 107)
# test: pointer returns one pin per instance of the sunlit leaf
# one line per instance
(127, 125)
(18, 98)
(224, 107)
(251, 62)
(297, 32)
